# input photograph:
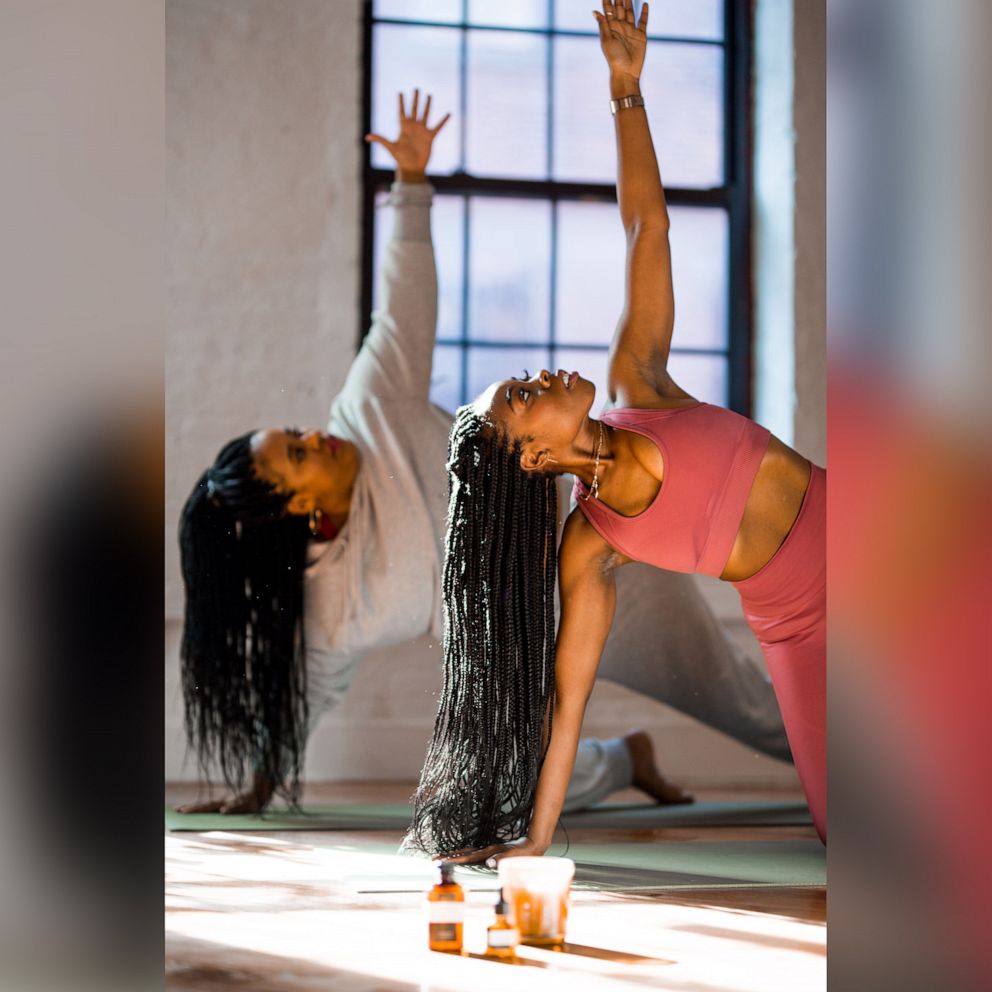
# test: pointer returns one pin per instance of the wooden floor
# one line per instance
(279, 912)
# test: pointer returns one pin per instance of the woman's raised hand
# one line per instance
(622, 39)
(412, 149)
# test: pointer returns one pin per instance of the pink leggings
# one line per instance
(785, 605)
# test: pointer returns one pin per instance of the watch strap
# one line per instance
(624, 102)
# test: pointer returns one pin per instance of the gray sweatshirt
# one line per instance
(379, 581)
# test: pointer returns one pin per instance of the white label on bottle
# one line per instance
(504, 938)
(446, 912)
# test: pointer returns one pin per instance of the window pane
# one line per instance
(681, 18)
(448, 228)
(683, 91)
(446, 377)
(589, 283)
(509, 13)
(590, 365)
(448, 11)
(489, 365)
(425, 57)
(702, 376)
(590, 273)
(509, 269)
(506, 120)
(698, 238)
(686, 86)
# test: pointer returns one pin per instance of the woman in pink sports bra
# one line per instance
(660, 478)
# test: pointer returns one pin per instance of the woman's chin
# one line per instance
(588, 394)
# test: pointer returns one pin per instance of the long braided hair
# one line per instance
(243, 672)
(494, 716)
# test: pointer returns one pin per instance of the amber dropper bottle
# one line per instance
(502, 938)
(446, 911)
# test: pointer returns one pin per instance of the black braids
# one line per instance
(480, 774)
(549, 629)
(243, 651)
(514, 543)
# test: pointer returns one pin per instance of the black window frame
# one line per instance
(734, 196)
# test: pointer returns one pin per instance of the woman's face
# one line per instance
(316, 467)
(547, 409)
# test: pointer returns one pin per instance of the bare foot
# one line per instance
(205, 806)
(252, 800)
(647, 777)
(245, 802)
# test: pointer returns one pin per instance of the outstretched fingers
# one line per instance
(622, 11)
(412, 116)
(378, 139)
(440, 124)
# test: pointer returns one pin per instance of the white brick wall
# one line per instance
(263, 189)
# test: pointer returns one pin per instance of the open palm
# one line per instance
(412, 149)
(622, 39)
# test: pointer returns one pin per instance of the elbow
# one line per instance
(570, 705)
(654, 224)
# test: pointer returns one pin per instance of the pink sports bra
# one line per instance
(711, 457)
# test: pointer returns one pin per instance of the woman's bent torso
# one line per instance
(771, 510)
(636, 477)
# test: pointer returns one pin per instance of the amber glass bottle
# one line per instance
(502, 937)
(446, 911)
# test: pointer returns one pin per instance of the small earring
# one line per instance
(315, 518)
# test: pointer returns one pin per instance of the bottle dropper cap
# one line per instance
(502, 907)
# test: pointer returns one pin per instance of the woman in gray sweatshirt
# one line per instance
(302, 550)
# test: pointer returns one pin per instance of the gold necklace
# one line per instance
(594, 488)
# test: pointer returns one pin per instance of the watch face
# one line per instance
(626, 101)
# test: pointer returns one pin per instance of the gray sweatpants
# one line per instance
(667, 644)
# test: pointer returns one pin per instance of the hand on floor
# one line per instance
(490, 856)
(647, 776)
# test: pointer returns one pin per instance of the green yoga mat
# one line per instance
(396, 816)
(630, 867)
(713, 814)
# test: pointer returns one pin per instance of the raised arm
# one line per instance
(639, 353)
(588, 602)
(396, 355)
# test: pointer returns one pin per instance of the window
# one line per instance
(529, 245)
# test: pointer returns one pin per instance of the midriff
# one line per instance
(772, 508)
